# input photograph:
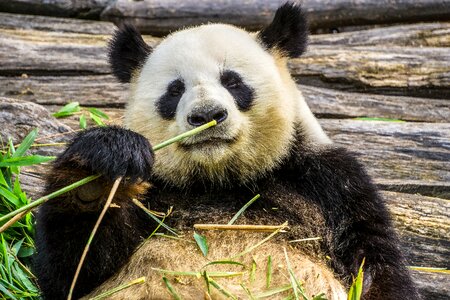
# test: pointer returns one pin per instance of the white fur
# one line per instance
(263, 134)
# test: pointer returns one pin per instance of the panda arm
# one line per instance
(357, 219)
(64, 224)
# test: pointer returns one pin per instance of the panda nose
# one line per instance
(201, 117)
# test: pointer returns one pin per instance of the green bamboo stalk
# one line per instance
(185, 135)
(49, 196)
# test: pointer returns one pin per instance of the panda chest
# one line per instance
(279, 203)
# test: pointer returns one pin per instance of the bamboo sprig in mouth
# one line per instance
(93, 177)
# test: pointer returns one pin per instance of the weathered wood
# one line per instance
(18, 118)
(417, 35)
(328, 103)
(50, 52)
(61, 8)
(105, 91)
(392, 70)
(422, 222)
(397, 70)
(398, 152)
(93, 90)
(163, 16)
(30, 22)
(432, 285)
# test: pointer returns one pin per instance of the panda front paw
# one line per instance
(110, 151)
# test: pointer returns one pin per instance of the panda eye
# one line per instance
(176, 88)
(231, 80)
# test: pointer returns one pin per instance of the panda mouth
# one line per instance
(209, 142)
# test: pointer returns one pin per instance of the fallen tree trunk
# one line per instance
(163, 16)
(417, 35)
(389, 70)
(394, 70)
(90, 9)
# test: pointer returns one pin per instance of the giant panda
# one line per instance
(266, 141)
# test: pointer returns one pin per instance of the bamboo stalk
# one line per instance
(91, 237)
(13, 220)
(256, 228)
(49, 196)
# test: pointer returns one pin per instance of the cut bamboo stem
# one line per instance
(13, 220)
(91, 237)
(256, 228)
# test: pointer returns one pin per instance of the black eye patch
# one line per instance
(242, 93)
(167, 104)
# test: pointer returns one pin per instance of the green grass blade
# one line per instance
(243, 209)
(221, 289)
(224, 262)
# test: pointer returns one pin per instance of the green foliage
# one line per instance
(16, 243)
(356, 288)
(202, 243)
(95, 115)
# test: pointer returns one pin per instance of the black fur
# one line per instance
(167, 104)
(357, 223)
(110, 151)
(127, 52)
(288, 31)
(241, 92)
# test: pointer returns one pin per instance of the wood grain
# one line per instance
(106, 91)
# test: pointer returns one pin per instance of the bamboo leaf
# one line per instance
(83, 123)
(8, 195)
(269, 272)
(171, 289)
(96, 119)
(98, 113)
(67, 110)
(25, 161)
(356, 288)
(202, 243)
(224, 262)
(26, 143)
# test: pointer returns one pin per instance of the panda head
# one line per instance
(223, 73)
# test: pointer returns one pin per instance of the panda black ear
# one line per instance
(288, 31)
(127, 52)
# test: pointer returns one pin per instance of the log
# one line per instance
(417, 35)
(432, 285)
(105, 91)
(394, 70)
(50, 52)
(388, 70)
(88, 90)
(18, 118)
(395, 153)
(328, 103)
(61, 8)
(163, 16)
(29, 22)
